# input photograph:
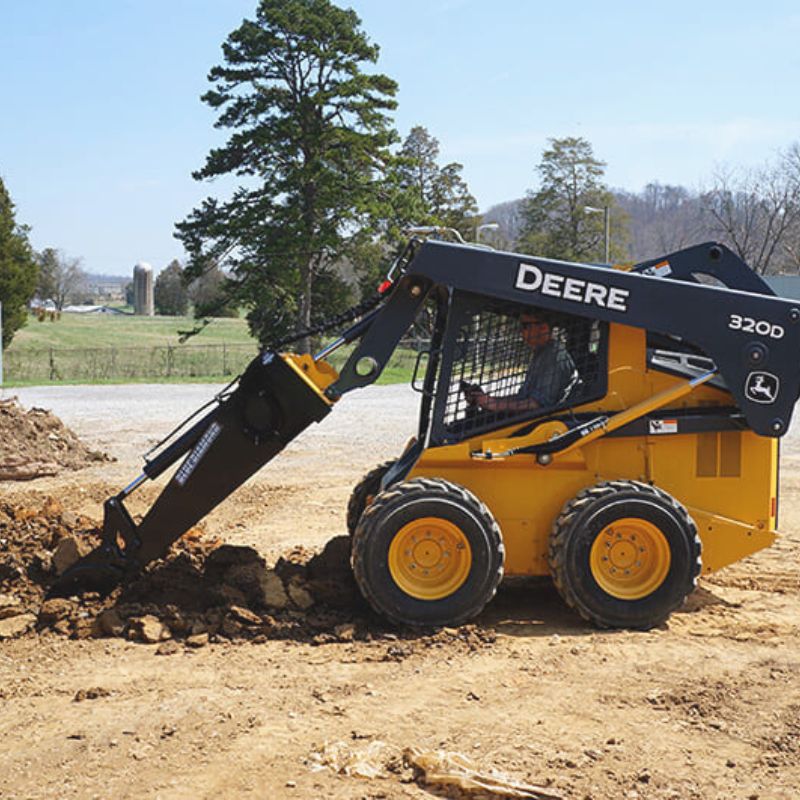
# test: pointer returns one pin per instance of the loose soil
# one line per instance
(245, 664)
(35, 443)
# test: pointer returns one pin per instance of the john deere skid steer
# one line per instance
(647, 455)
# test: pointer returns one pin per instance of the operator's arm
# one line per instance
(489, 403)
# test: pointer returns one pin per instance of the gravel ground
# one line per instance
(705, 706)
(126, 420)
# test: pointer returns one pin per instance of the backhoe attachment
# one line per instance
(276, 399)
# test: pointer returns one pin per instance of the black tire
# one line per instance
(363, 492)
(587, 517)
(396, 510)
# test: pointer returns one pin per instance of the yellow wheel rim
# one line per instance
(630, 558)
(430, 558)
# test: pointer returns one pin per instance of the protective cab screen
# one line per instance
(518, 362)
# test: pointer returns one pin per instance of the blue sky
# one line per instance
(102, 124)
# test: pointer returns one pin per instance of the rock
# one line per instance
(10, 569)
(168, 648)
(10, 606)
(345, 632)
(198, 640)
(55, 609)
(300, 596)
(109, 623)
(70, 520)
(90, 694)
(245, 616)
(52, 507)
(16, 626)
(230, 628)
(69, 550)
(148, 629)
(44, 560)
(272, 590)
(231, 596)
(84, 628)
(228, 555)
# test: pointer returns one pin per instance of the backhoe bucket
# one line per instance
(277, 398)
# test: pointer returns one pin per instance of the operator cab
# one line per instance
(485, 347)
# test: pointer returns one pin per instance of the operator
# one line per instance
(551, 372)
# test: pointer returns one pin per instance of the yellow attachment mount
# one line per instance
(630, 558)
(430, 558)
(318, 374)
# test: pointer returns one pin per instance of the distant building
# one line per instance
(89, 309)
(143, 290)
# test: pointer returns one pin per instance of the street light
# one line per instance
(606, 219)
(487, 226)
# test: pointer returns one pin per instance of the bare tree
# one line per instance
(791, 245)
(508, 216)
(663, 218)
(61, 279)
(756, 211)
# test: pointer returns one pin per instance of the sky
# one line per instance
(101, 123)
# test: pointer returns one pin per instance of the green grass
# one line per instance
(117, 330)
(101, 349)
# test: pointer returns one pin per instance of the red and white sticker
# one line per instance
(658, 426)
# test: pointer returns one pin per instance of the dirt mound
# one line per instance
(202, 591)
(36, 443)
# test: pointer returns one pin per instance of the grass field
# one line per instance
(109, 330)
(101, 348)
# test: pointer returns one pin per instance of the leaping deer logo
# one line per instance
(762, 387)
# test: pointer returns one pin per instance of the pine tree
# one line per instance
(440, 194)
(18, 269)
(556, 219)
(310, 138)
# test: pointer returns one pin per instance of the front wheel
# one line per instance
(427, 552)
(624, 554)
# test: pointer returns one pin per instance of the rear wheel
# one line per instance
(624, 554)
(363, 493)
(427, 552)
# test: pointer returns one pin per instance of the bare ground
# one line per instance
(706, 707)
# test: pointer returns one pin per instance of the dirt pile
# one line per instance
(35, 443)
(202, 591)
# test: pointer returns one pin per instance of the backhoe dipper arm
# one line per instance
(272, 404)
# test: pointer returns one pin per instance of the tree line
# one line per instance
(326, 187)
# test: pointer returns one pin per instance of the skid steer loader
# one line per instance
(650, 459)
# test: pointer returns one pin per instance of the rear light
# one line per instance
(773, 506)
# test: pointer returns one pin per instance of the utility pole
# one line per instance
(606, 212)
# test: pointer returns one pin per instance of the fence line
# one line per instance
(90, 364)
(158, 362)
